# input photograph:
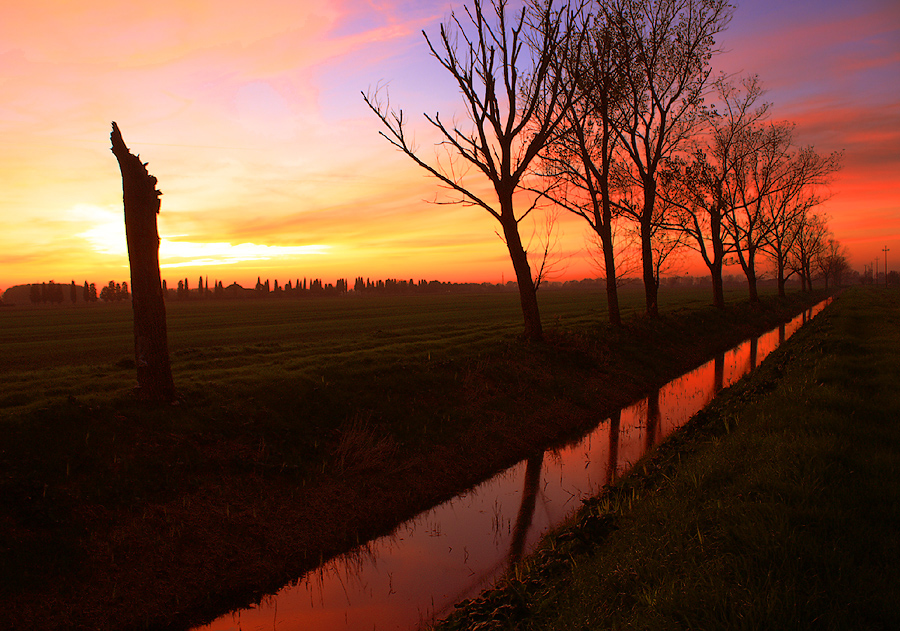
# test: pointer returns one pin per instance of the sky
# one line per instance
(250, 114)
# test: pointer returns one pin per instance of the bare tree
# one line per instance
(625, 255)
(776, 184)
(580, 160)
(703, 190)
(548, 260)
(799, 176)
(832, 262)
(666, 47)
(505, 73)
(755, 178)
(812, 235)
(141, 200)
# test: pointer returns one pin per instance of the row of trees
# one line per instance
(55, 293)
(600, 109)
(316, 287)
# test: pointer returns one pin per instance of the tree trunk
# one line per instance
(779, 264)
(609, 264)
(651, 285)
(527, 290)
(718, 286)
(715, 269)
(751, 285)
(141, 201)
(749, 266)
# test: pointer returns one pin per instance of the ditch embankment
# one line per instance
(120, 516)
(776, 507)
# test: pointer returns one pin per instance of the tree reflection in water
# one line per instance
(455, 550)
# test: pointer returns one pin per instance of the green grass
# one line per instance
(51, 354)
(389, 404)
(777, 508)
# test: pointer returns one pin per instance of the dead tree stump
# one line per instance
(151, 346)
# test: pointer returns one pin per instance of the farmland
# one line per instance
(302, 428)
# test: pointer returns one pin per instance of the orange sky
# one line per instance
(251, 117)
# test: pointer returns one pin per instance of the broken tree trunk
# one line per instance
(151, 347)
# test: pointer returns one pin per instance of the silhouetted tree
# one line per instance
(141, 203)
(808, 248)
(756, 176)
(800, 174)
(108, 292)
(665, 49)
(703, 189)
(55, 293)
(504, 73)
(832, 262)
(580, 158)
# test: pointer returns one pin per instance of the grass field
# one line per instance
(776, 508)
(302, 428)
(52, 353)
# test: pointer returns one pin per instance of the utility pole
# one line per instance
(885, 250)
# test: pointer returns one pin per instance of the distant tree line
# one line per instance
(299, 288)
(115, 292)
(54, 293)
(47, 293)
(51, 292)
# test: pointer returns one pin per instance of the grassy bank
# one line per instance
(303, 429)
(776, 508)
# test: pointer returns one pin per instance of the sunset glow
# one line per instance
(250, 116)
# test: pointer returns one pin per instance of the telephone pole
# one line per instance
(885, 250)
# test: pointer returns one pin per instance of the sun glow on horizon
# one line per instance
(202, 254)
(106, 237)
(252, 119)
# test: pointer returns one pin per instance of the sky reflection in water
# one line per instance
(455, 550)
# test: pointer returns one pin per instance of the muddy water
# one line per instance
(455, 550)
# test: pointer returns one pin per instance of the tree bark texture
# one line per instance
(718, 248)
(651, 283)
(527, 291)
(151, 347)
(612, 289)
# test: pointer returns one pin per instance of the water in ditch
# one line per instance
(453, 551)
